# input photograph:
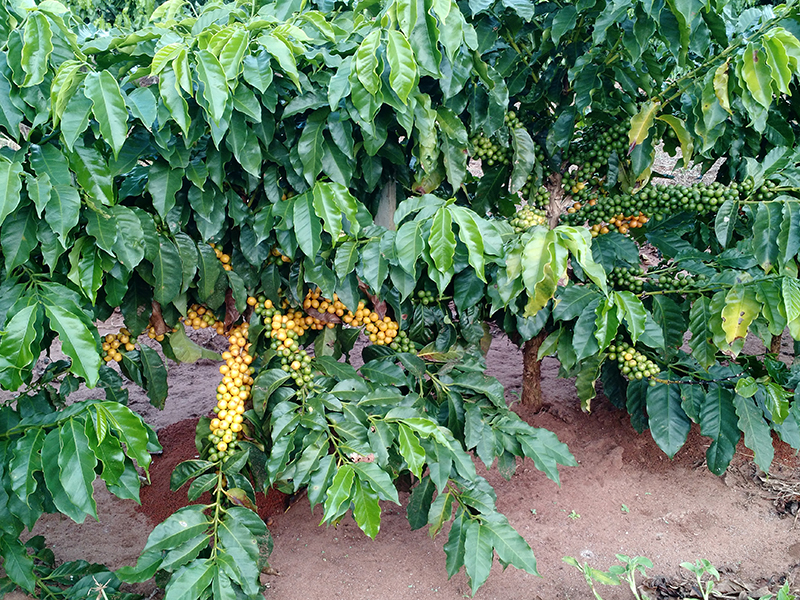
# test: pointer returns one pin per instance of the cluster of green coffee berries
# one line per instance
(426, 297)
(676, 281)
(528, 217)
(632, 363)
(402, 343)
(536, 196)
(490, 152)
(627, 278)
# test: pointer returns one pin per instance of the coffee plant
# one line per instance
(294, 176)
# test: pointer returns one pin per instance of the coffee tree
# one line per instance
(295, 175)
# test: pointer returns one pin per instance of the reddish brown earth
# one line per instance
(626, 497)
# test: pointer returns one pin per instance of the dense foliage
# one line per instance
(294, 173)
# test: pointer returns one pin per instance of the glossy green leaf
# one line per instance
(403, 67)
(76, 461)
(10, 188)
(478, 553)
(283, 54)
(27, 460)
(669, 424)
(366, 509)
(524, 159)
(367, 62)
(37, 48)
(641, 123)
(756, 74)
(215, 86)
(17, 564)
(757, 433)
(702, 341)
(167, 271)
(76, 340)
(190, 581)
(766, 231)
(307, 225)
(310, 145)
(718, 421)
(170, 91)
(442, 240)
(108, 108)
(338, 498)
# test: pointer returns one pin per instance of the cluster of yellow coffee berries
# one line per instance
(380, 331)
(285, 329)
(199, 317)
(277, 257)
(314, 300)
(151, 333)
(116, 343)
(232, 394)
(225, 259)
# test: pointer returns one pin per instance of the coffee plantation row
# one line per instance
(300, 175)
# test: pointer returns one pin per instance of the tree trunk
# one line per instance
(775, 344)
(532, 372)
(387, 206)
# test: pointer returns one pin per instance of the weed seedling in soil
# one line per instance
(700, 568)
(627, 570)
(593, 575)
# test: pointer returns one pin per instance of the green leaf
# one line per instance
(242, 546)
(171, 94)
(190, 581)
(411, 450)
(142, 104)
(102, 226)
(281, 52)
(478, 553)
(524, 159)
(725, 220)
(684, 137)
(346, 257)
(454, 547)
(63, 210)
(310, 146)
(76, 463)
(367, 62)
(108, 107)
(403, 67)
(757, 433)
(50, 468)
(419, 503)
(17, 352)
(338, 498)
(75, 119)
(155, 374)
(77, 341)
(669, 424)
(188, 551)
(766, 232)
(17, 564)
(10, 188)
(721, 88)
(741, 307)
(756, 74)
(510, 546)
(307, 225)
(215, 86)
(442, 240)
(18, 236)
(163, 183)
(36, 49)
(378, 479)
(131, 430)
(257, 71)
(633, 311)
(470, 233)
(366, 509)
(326, 208)
(230, 58)
(374, 264)
(92, 173)
(718, 422)
(26, 462)
(702, 342)
(167, 271)
(641, 123)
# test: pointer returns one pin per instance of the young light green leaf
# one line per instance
(641, 124)
(442, 240)
(403, 68)
(215, 86)
(367, 62)
(36, 49)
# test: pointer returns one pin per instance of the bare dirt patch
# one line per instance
(626, 497)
